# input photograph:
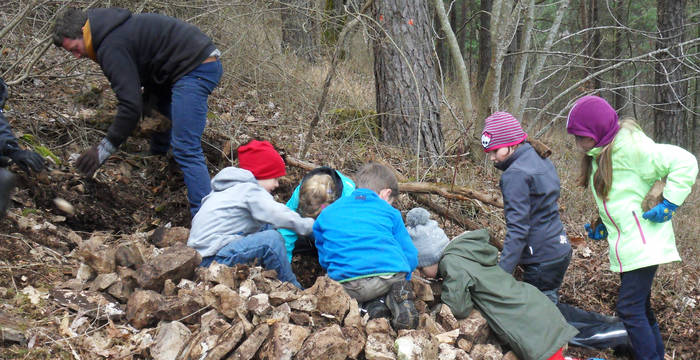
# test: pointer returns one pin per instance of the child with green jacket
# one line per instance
(622, 164)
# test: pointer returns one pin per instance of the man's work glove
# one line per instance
(94, 157)
(27, 159)
(599, 233)
(662, 212)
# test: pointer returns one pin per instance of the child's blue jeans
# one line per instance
(187, 110)
(634, 308)
(264, 248)
(547, 276)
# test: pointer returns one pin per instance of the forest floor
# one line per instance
(134, 192)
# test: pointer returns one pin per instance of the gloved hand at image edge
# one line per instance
(662, 212)
(599, 233)
(94, 157)
(27, 159)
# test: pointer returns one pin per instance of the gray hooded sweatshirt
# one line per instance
(237, 206)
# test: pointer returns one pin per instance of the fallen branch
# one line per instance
(450, 192)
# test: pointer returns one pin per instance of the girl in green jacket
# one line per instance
(622, 164)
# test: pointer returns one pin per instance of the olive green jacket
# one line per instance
(516, 311)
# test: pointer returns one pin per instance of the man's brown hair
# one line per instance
(69, 24)
(377, 177)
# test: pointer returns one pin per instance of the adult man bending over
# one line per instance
(176, 65)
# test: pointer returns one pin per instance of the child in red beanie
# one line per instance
(237, 221)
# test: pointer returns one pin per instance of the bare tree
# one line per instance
(299, 30)
(405, 81)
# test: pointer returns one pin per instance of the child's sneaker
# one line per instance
(403, 310)
(377, 309)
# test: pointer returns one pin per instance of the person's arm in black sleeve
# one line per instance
(25, 159)
(516, 200)
(122, 72)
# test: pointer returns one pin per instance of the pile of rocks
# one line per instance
(144, 296)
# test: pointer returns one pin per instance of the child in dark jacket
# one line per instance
(517, 312)
(363, 244)
(237, 221)
(535, 236)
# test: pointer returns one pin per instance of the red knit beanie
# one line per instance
(501, 129)
(260, 158)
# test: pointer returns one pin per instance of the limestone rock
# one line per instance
(474, 327)
(227, 301)
(284, 342)
(226, 342)
(422, 289)
(164, 237)
(170, 339)
(222, 274)
(248, 289)
(142, 308)
(356, 339)
(430, 325)
(449, 352)
(104, 281)
(259, 304)
(91, 303)
(84, 273)
(179, 307)
(510, 355)
(331, 297)
(128, 256)
(416, 345)
(449, 337)
(279, 297)
(306, 303)
(97, 255)
(174, 263)
(446, 318)
(250, 346)
(379, 325)
(353, 317)
(379, 346)
(327, 343)
(301, 318)
(485, 352)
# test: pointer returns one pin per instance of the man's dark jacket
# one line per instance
(148, 50)
(530, 187)
(516, 311)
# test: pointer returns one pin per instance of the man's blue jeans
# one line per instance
(634, 308)
(265, 248)
(187, 109)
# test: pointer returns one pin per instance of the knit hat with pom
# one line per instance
(261, 158)
(428, 238)
(501, 129)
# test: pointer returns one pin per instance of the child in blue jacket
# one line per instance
(535, 236)
(363, 244)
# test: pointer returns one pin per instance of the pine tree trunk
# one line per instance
(670, 124)
(484, 60)
(405, 81)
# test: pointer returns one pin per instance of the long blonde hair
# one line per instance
(315, 193)
(602, 179)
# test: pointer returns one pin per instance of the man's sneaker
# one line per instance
(403, 310)
(377, 309)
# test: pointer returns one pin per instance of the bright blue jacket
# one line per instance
(360, 236)
(346, 187)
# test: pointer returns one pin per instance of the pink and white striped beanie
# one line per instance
(501, 129)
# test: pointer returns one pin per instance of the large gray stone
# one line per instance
(379, 346)
(416, 345)
(174, 263)
(170, 339)
(284, 342)
(327, 343)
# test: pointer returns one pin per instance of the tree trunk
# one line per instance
(620, 95)
(670, 124)
(484, 60)
(299, 32)
(589, 17)
(406, 91)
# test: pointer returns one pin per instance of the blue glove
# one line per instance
(662, 212)
(599, 233)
